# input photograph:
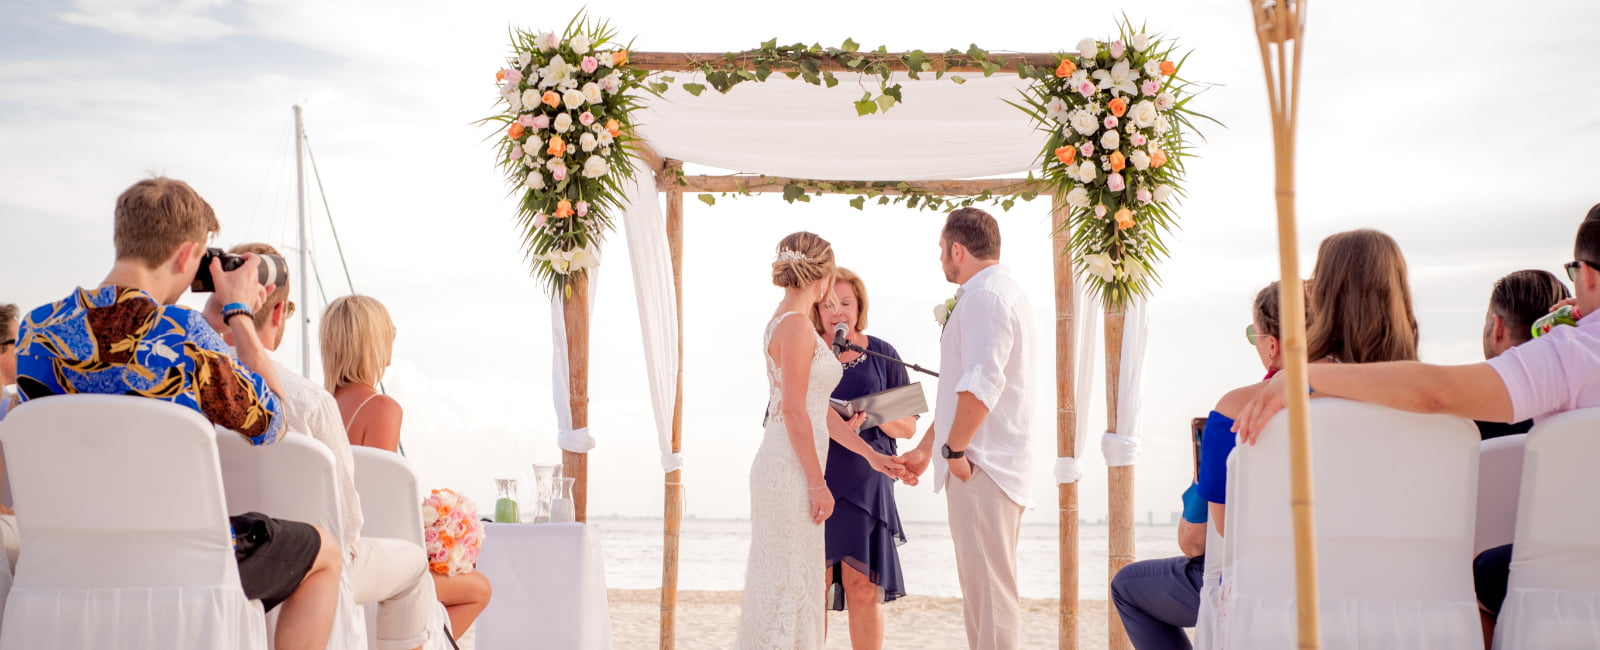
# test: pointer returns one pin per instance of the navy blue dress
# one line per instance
(864, 530)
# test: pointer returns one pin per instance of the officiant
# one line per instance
(864, 533)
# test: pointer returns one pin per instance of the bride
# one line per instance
(783, 601)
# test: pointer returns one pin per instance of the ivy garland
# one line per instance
(881, 193)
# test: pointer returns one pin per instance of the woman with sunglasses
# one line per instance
(10, 319)
(1158, 598)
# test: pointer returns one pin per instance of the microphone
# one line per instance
(840, 343)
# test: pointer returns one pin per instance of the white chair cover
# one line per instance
(1499, 483)
(1394, 497)
(1208, 625)
(128, 541)
(293, 479)
(391, 506)
(1553, 598)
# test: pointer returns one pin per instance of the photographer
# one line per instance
(127, 337)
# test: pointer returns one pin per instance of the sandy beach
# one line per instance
(707, 620)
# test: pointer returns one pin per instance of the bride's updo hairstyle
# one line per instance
(802, 259)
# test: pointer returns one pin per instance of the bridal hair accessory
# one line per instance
(790, 255)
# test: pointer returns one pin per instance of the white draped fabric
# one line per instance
(1121, 447)
(651, 260)
(573, 440)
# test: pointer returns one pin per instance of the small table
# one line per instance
(549, 588)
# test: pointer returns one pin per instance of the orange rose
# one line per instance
(1118, 106)
(1066, 68)
(500, 75)
(564, 209)
(551, 99)
(1158, 158)
(1169, 68)
(439, 568)
(1124, 219)
(613, 128)
(557, 148)
(515, 131)
(1066, 154)
(1118, 161)
(619, 57)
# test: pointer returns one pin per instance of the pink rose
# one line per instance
(1111, 121)
(1117, 48)
(526, 120)
(513, 76)
(541, 122)
(559, 173)
(538, 220)
(1115, 183)
(1100, 211)
(589, 65)
(1086, 88)
(431, 536)
(516, 153)
(1137, 139)
(586, 118)
(1151, 87)
(1086, 150)
(583, 208)
(1143, 195)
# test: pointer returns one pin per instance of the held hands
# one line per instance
(915, 463)
(888, 465)
(240, 285)
(821, 504)
(1268, 400)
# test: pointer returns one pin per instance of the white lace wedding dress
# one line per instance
(783, 584)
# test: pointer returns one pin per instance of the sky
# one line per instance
(1468, 134)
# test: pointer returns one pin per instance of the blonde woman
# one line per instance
(357, 346)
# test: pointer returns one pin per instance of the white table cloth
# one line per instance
(549, 588)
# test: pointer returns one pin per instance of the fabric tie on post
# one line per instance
(577, 441)
(1068, 470)
(671, 462)
(1119, 450)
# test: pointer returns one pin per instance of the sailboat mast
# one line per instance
(305, 255)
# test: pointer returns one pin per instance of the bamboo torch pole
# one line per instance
(1066, 423)
(1120, 495)
(674, 482)
(1280, 28)
(575, 312)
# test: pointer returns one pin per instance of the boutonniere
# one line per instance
(941, 312)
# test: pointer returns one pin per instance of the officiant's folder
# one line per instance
(886, 406)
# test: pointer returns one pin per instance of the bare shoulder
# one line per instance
(1233, 402)
(383, 407)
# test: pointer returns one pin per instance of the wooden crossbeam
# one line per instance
(759, 184)
(689, 61)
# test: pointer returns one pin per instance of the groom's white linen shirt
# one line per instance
(987, 350)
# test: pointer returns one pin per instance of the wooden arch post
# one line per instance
(575, 314)
(673, 508)
(1120, 495)
(1066, 421)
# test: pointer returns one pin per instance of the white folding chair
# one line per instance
(1499, 483)
(1208, 623)
(1394, 494)
(292, 479)
(1553, 597)
(391, 506)
(129, 548)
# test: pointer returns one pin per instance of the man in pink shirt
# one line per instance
(1557, 372)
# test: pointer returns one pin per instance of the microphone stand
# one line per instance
(840, 344)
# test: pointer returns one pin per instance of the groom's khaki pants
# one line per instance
(985, 524)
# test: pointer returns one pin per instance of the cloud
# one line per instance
(182, 21)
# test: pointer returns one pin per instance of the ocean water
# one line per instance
(712, 553)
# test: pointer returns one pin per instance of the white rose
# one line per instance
(941, 313)
(1140, 41)
(1162, 125)
(1088, 48)
(553, 163)
(591, 92)
(1084, 122)
(1086, 172)
(1140, 160)
(534, 181)
(1162, 193)
(1078, 198)
(523, 59)
(573, 99)
(580, 44)
(1143, 114)
(587, 142)
(1152, 67)
(533, 145)
(530, 98)
(1165, 101)
(1111, 140)
(563, 123)
(1100, 264)
(429, 516)
(596, 167)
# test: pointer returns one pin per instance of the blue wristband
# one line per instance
(235, 306)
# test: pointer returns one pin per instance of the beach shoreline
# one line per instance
(708, 620)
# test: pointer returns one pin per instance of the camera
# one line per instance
(273, 270)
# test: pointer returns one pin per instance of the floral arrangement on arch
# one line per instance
(452, 533)
(567, 102)
(1116, 117)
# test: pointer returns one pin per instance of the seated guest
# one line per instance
(1557, 372)
(10, 320)
(390, 572)
(357, 344)
(1359, 305)
(1518, 299)
(1156, 599)
(128, 337)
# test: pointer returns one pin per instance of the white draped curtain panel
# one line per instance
(789, 128)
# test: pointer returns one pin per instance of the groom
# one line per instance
(980, 426)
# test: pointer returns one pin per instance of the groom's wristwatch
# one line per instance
(953, 454)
